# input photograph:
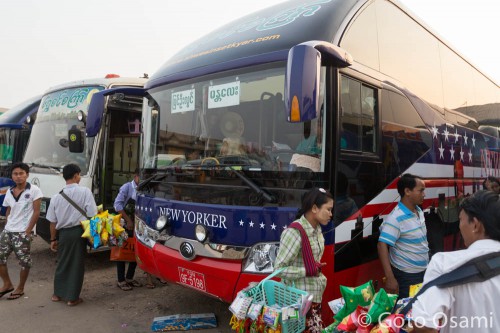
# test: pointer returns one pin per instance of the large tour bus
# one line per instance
(344, 95)
(107, 159)
(15, 129)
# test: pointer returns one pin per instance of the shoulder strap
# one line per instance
(478, 269)
(72, 203)
(307, 254)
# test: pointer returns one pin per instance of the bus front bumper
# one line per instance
(219, 278)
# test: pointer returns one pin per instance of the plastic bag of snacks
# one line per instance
(381, 306)
(361, 295)
(353, 321)
(104, 229)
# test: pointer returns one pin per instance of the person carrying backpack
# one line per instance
(467, 299)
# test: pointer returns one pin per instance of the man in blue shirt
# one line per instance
(124, 205)
(403, 248)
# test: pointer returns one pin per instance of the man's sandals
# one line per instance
(13, 296)
(56, 298)
(74, 303)
(2, 293)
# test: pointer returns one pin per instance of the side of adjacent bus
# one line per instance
(15, 129)
(107, 159)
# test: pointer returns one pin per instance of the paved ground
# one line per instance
(106, 309)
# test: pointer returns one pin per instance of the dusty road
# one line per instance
(106, 309)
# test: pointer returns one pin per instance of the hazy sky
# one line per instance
(49, 42)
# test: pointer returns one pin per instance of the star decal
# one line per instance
(470, 156)
(446, 134)
(273, 226)
(435, 131)
(473, 141)
(456, 135)
(452, 153)
(262, 225)
(242, 223)
(441, 152)
(251, 224)
(461, 153)
(465, 138)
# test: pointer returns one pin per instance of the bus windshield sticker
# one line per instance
(183, 101)
(222, 95)
(60, 103)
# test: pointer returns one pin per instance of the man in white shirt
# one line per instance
(65, 233)
(473, 306)
(23, 209)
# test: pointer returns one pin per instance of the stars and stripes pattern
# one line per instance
(454, 146)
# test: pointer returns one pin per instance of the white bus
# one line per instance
(107, 160)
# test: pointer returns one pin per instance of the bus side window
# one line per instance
(358, 113)
(368, 106)
(349, 118)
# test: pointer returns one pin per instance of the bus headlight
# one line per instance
(201, 233)
(145, 234)
(261, 258)
(81, 116)
(163, 222)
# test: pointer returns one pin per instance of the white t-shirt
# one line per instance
(470, 307)
(21, 210)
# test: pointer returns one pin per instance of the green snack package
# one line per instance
(381, 306)
(344, 312)
(361, 295)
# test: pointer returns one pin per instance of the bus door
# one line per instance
(120, 153)
(358, 175)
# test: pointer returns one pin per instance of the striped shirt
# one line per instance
(406, 234)
(290, 258)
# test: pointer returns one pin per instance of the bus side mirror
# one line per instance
(303, 75)
(95, 114)
(96, 109)
(75, 140)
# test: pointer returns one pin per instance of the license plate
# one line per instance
(43, 206)
(192, 278)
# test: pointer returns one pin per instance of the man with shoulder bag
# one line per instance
(65, 213)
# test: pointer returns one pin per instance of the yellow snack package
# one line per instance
(109, 225)
(104, 236)
(86, 229)
(414, 289)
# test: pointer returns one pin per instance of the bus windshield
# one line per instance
(6, 145)
(234, 120)
(48, 145)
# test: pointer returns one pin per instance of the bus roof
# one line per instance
(276, 29)
(17, 114)
(272, 32)
(105, 82)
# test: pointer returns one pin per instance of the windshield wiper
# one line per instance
(260, 191)
(43, 166)
(155, 177)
